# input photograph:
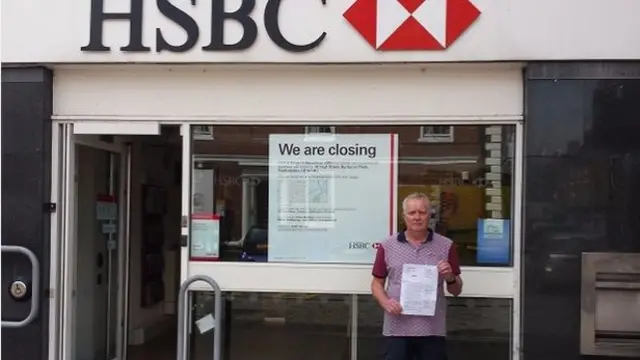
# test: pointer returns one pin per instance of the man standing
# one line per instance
(420, 337)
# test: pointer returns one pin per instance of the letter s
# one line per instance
(182, 19)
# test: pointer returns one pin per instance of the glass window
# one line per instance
(279, 326)
(477, 328)
(287, 326)
(327, 194)
(583, 171)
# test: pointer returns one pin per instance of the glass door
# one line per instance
(94, 252)
(97, 252)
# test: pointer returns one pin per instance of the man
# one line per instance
(409, 337)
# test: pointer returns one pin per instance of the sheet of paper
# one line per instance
(206, 323)
(419, 289)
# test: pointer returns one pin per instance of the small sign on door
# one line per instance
(206, 323)
(106, 208)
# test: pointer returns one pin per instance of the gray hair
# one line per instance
(416, 196)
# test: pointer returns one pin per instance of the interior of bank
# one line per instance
(465, 169)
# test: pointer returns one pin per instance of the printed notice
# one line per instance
(206, 323)
(106, 208)
(494, 241)
(205, 237)
(419, 289)
(331, 197)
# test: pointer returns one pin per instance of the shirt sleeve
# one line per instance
(454, 260)
(379, 264)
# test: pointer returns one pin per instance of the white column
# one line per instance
(246, 204)
(253, 217)
(493, 163)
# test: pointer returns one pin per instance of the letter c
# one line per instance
(272, 25)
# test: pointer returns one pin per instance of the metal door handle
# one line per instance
(35, 287)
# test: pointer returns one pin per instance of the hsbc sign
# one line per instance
(360, 245)
(219, 16)
(411, 24)
(206, 32)
(386, 25)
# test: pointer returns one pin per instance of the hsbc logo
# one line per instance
(411, 24)
(363, 245)
(385, 24)
(245, 16)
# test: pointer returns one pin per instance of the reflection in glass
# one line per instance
(96, 312)
(288, 326)
(476, 328)
(466, 170)
(582, 195)
(276, 326)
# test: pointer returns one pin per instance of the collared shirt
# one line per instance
(392, 254)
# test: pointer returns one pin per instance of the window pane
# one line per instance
(476, 328)
(583, 171)
(320, 208)
(437, 133)
(276, 326)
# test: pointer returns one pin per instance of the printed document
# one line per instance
(419, 289)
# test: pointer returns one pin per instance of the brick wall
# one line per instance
(253, 141)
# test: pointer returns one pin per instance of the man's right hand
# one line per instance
(392, 307)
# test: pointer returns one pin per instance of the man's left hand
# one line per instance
(444, 269)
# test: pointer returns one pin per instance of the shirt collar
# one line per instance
(402, 236)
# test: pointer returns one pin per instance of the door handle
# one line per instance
(20, 289)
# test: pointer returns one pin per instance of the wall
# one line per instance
(504, 31)
(264, 94)
(467, 140)
(26, 165)
(582, 170)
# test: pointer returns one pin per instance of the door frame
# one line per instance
(64, 240)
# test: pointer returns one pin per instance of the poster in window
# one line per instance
(205, 237)
(331, 198)
(494, 242)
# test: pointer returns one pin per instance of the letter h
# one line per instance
(98, 17)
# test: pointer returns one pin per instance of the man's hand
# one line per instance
(444, 269)
(392, 306)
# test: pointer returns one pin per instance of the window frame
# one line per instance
(351, 278)
(209, 134)
(480, 282)
(436, 138)
(315, 129)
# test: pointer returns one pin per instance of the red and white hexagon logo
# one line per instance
(411, 24)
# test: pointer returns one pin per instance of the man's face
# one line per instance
(416, 215)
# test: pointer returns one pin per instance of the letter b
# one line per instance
(242, 16)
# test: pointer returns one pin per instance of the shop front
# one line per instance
(268, 145)
(284, 211)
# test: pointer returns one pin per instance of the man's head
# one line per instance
(416, 209)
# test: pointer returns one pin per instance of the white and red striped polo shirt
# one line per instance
(393, 253)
